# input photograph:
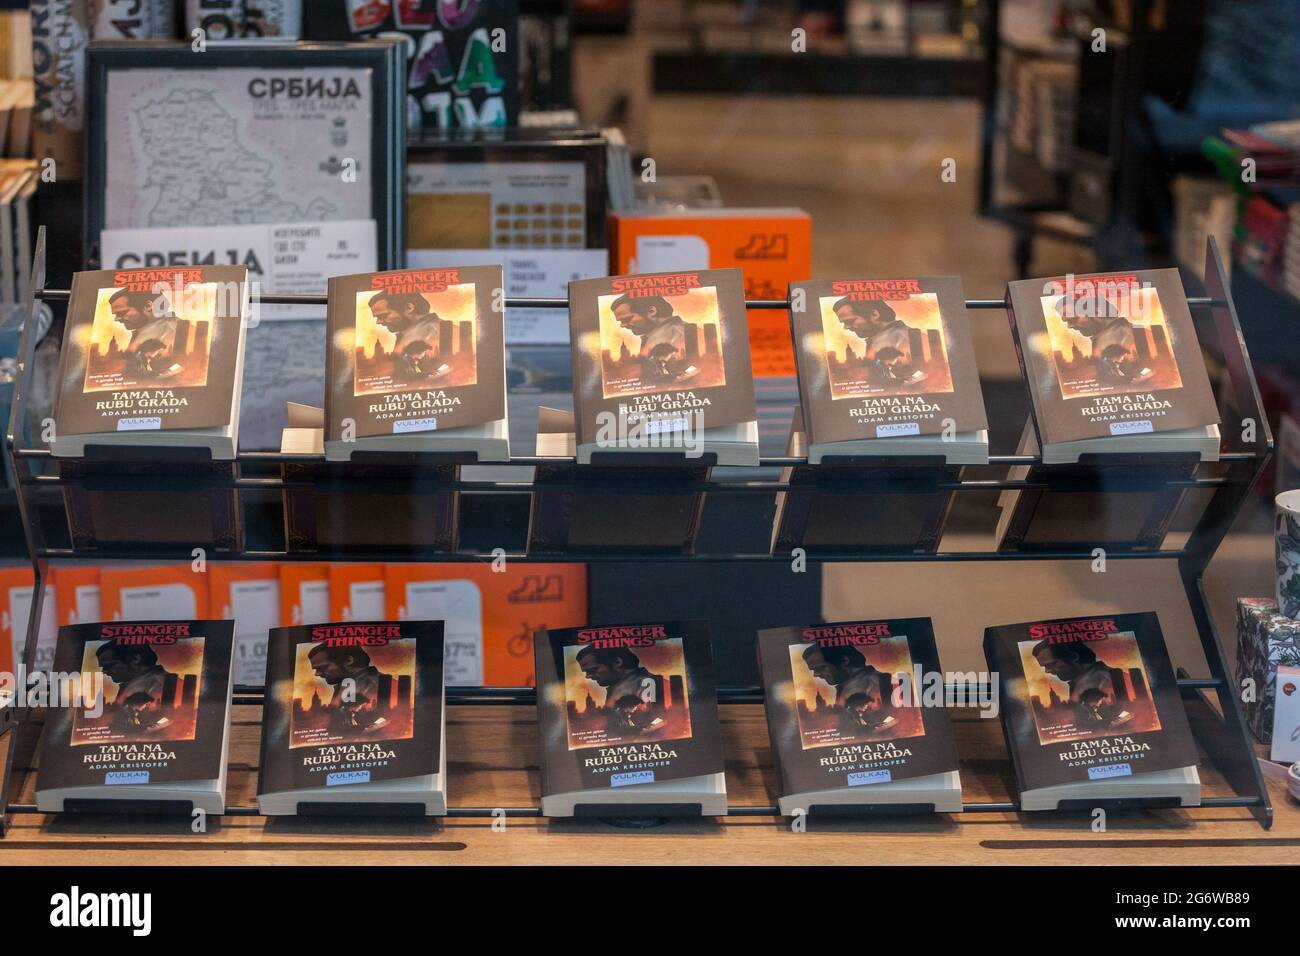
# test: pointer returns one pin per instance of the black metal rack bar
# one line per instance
(1220, 730)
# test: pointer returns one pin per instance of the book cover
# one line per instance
(846, 704)
(151, 349)
(657, 355)
(884, 357)
(350, 703)
(1091, 698)
(626, 705)
(1109, 354)
(154, 709)
(463, 57)
(420, 350)
(771, 246)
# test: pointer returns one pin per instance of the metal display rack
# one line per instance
(1226, 485)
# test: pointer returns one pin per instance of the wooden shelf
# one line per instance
(493, 760)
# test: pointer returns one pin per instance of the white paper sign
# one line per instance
(159, 602)
(365, 601)
(255, 608)
(281, 257)
(459, 605)
(313, 602)
(529, 274)
(20, 612)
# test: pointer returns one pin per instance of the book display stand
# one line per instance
(257, 482)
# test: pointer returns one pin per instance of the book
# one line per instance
(354, 715)
(772, 247)
(887, 367)
(661, 363)
(628, 716)
(1113, 364)
(463, 59)
(153, 719)
(1091, 711)
(416, 362)
(849, 718)
(153, 357)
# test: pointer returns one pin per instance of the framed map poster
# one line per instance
(285, 157)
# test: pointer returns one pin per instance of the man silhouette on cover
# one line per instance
(152, 324)
(1112, 342)
(861, 691)
(409, 316)
(354, 682)
(888, 339)
(1091, 684)
(620, 673)
(662, 337)
(140, 681)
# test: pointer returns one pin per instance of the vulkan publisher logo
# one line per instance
(78, 909)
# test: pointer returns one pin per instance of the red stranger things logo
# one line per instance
(630, 635)
(839, 635)
(861, 290)
(639, 287)
(147, 280)
(352, 635)
(422, 280)
(126, 634)
(1065, 632)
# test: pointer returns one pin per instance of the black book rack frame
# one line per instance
(1218, 727)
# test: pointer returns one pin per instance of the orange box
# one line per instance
(357, 592)
(247, 593)
(76, 594)
(304, 593)
(772, 247)
(490, 615)
(159, 592)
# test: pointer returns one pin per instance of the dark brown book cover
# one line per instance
(879, 358)
(660, 354)
(624, 705)
(151, 349)
(847, 704)
(319, 730)
(155, 703)
(421, 350)
(1109, 354)
(1091, 698)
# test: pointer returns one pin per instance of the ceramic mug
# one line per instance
(1286, 535)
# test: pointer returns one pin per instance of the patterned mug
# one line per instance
(1287, 537)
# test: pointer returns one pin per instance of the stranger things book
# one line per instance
(853, 716)
(661, 363)
(1113, 364)
(628, 717)
(354, 714)
(1091, 711)
(153, 717)
(886, 367)
(416, 362)
(152, 357)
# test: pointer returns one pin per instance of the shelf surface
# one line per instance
(492, 761)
